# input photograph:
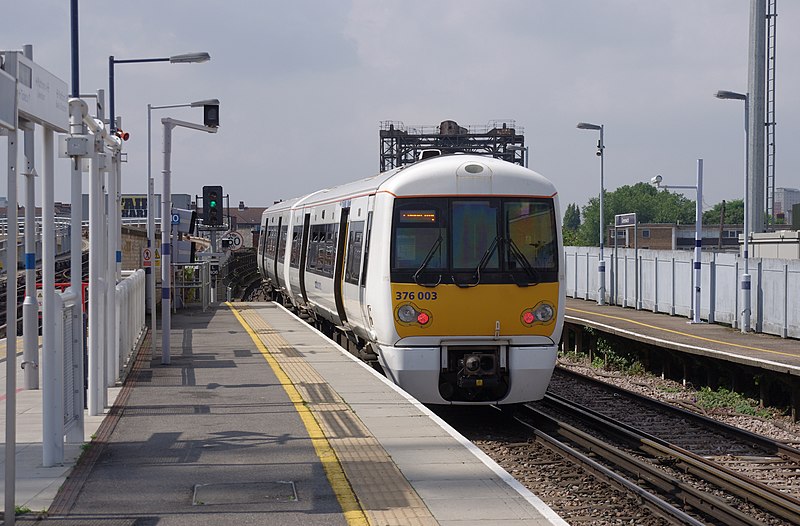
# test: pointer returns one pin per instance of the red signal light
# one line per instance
(123, 135)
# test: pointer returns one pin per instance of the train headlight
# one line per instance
(407, 314)
(542, 313)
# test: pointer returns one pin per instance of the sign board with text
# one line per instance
(41, 96)
(8, 101)
(623, 220)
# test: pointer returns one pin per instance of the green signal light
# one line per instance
(213, 203)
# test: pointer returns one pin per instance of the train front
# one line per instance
(476, 274)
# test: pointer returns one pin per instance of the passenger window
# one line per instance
(366, 250)
(354, 247)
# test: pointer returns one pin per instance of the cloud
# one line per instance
(304, 85)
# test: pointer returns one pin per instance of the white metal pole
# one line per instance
(96, 282)
(601, 267)
(636, 263)
(213, 286)
(166, 206)
(745, 285)
(150, 272)
(111, 273)
(30, 306)
(52, 360)
(11, 328)
(76, 263)
(698, 241)
(118, 212)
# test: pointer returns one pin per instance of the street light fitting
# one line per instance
(206, 102)
(656, 181)
(189, 58)
(588, 126)
(724, 94)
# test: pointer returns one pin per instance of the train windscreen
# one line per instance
(467, 241)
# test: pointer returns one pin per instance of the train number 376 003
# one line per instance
(424, 295)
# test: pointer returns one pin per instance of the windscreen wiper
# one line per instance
(514, 250)
(482, 263)
(431, 252)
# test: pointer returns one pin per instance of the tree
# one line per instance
(734, 213)
(572, 217)
(650, 204)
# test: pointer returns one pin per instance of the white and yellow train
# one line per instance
(449, 272)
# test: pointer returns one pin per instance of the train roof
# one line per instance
(428, 178)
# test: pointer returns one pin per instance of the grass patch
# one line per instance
(21, 510)
(724, 398)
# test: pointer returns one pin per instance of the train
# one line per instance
(447, 273)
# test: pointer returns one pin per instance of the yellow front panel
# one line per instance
(454, 311)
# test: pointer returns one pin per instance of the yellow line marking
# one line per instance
(353, 513)
(768, 351)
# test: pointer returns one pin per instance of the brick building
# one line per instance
(666, 236)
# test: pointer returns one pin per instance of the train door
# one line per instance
(363, 281)
(275, 260)
(303, 253)
(338, 275)
(262, 252)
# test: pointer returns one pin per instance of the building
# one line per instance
(247, 219)
(667, 236)
(785, 199)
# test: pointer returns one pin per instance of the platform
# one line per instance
(260, 419)
(762, 351)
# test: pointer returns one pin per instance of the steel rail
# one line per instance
(740, 434)
(705, 503)
(758, 493)
(653, 502)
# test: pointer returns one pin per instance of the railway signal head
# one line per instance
(211, 115)
(212, 206)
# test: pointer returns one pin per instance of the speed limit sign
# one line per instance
(237, 240)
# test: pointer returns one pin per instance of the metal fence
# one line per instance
(68, 313)
(663, 281)
(130, 316)
(192, 285)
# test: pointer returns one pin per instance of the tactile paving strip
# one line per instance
(385, 495)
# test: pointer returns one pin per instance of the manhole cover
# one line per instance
(244, 493)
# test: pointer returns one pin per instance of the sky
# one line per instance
(304, 85)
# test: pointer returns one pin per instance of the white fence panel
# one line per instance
(666, 284)
(66, 305)
(130, 315)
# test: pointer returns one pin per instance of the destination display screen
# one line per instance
(418, 216)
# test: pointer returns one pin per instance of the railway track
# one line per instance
(678, 467)
(62, 270)
(717, 472)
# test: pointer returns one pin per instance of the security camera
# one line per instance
(656, 180)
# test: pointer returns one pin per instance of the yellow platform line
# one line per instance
(688, 335)
(353, 513)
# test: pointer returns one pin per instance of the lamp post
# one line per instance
(523, 149)
(745, 283)
(185, 58)
(601, 266)
(151, 220)
(698, 232)
(166, 227)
